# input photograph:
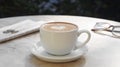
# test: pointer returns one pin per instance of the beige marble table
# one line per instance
(103, 50)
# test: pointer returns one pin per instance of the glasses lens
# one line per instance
(116, 30)
(101, 26)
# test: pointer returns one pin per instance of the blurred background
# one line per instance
(106, 9)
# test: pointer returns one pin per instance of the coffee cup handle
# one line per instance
(86, 41)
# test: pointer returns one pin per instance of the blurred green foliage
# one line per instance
(107, 9)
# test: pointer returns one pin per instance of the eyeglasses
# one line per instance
(102, 26)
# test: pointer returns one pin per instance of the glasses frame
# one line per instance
(110, 28)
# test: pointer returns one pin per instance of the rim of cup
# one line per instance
(59, 31)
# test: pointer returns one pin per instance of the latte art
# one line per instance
(59, 26)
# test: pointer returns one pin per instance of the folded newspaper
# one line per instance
(19, 29)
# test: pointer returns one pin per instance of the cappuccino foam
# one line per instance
(59, 26)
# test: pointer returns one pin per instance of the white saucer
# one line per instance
(40, 53)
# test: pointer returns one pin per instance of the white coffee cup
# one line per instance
(60, 38)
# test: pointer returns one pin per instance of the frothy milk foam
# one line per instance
(59, 26)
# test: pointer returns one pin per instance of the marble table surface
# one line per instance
(103, 50)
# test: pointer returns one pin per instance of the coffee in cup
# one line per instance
(59, 27)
